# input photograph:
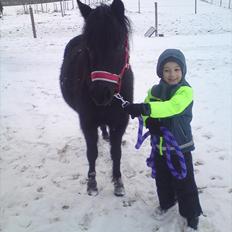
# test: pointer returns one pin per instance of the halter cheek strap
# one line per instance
(111, 77)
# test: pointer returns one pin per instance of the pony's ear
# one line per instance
(117, 7)
(84, 9)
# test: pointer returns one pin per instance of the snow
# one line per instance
(43, 161)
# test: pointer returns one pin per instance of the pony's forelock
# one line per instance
(104, 31)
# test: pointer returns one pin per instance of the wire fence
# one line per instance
(24, 2)
(221, 3)
(45, 6)
(30, 2)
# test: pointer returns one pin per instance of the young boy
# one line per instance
(169, 104)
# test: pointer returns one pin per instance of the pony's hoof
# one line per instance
(119, 189)
(92, 192)
(92, 185)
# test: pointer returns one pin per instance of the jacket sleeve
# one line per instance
(147, 100)
(174, 106)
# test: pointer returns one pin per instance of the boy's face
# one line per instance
(172, 73)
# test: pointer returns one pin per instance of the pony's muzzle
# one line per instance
(102, 93)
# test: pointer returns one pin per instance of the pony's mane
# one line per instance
(104, 31)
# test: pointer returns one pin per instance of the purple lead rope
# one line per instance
(170, 141)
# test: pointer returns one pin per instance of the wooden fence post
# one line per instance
(195, 6)
(61, 8)
(25, 9)
(156, 19)
(72, 5)
(42, 8)
(139, 6)
(32, 21)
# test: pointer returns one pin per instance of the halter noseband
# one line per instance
(111, 77)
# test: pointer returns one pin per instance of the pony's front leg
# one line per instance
(91, 138)
(116, 153)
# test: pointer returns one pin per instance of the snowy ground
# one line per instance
(43, 162)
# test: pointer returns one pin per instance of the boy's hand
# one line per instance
(135, 110)
(153, 125)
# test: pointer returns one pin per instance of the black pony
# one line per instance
(95, 68)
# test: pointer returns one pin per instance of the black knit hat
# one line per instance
(174, 55)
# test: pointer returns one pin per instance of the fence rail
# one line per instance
(26, 2)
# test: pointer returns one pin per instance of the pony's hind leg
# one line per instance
(105, 134)
(116, 140)
(91, 138)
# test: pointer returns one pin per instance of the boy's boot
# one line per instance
(161, 213)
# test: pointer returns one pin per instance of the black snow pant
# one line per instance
(171, 189)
